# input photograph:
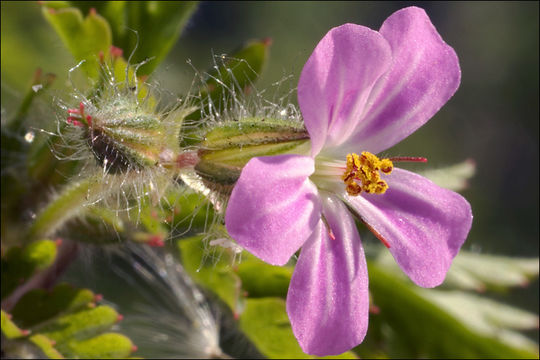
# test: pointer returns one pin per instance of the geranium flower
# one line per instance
(360, 92)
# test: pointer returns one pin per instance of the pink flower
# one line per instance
(360, 91)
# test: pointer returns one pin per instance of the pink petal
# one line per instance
(328, 298)
(425, 73)
(336, 82)
(274, 207)
(425, 225)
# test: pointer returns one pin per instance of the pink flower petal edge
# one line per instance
(424, 224)
(424, 75)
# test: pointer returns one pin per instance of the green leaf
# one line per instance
(240, 70)
(158, 25)
(417, 327)
(46, 345)
(80, 325)
(491, 271)
(487, 316)
(237, 73)
(454, 177)
(267, 325)
(66, 206)
(9, 329)
(64, 322)
(473, 271)
(211, 269)
(19, 264)
(39, 305)
(39, 83)
(85, 38)
(190, 211)
(260, 279)
(104, 346)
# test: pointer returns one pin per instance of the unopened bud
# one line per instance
(227, 147)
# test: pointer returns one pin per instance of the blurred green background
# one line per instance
(493, 118)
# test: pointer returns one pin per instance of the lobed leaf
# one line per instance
(148, 29)
(417, 326)
(85, 38)
(454, 177)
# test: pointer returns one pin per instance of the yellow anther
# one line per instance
(365, 169)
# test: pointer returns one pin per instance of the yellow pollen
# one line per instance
(365, 169)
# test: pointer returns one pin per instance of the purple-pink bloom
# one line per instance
(361, 90)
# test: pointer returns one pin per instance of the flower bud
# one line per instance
(228, 146)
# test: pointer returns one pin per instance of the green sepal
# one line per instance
(252, 131)
(227, 147)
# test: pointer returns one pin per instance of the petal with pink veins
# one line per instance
(337, 80)
(424, 224)
(424, 75)
(328, 298)
(274, 207)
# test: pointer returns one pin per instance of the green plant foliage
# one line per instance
(64, 323)
(213, 271)
(265, 322)
(240, 70)
(157, 24)
(454, 177)
(64, 207)
(236, 73)
(488, 317)
(419, 327)
(9, 329)
(261, 280)
(409, 321)
(85, 37)
(104, 346)
(47, 304)
(19, 263)
(480, 272)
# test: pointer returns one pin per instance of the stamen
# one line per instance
(408, 159)
(365, 169)
(331, 234)
(377, 235)
(363, 172)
